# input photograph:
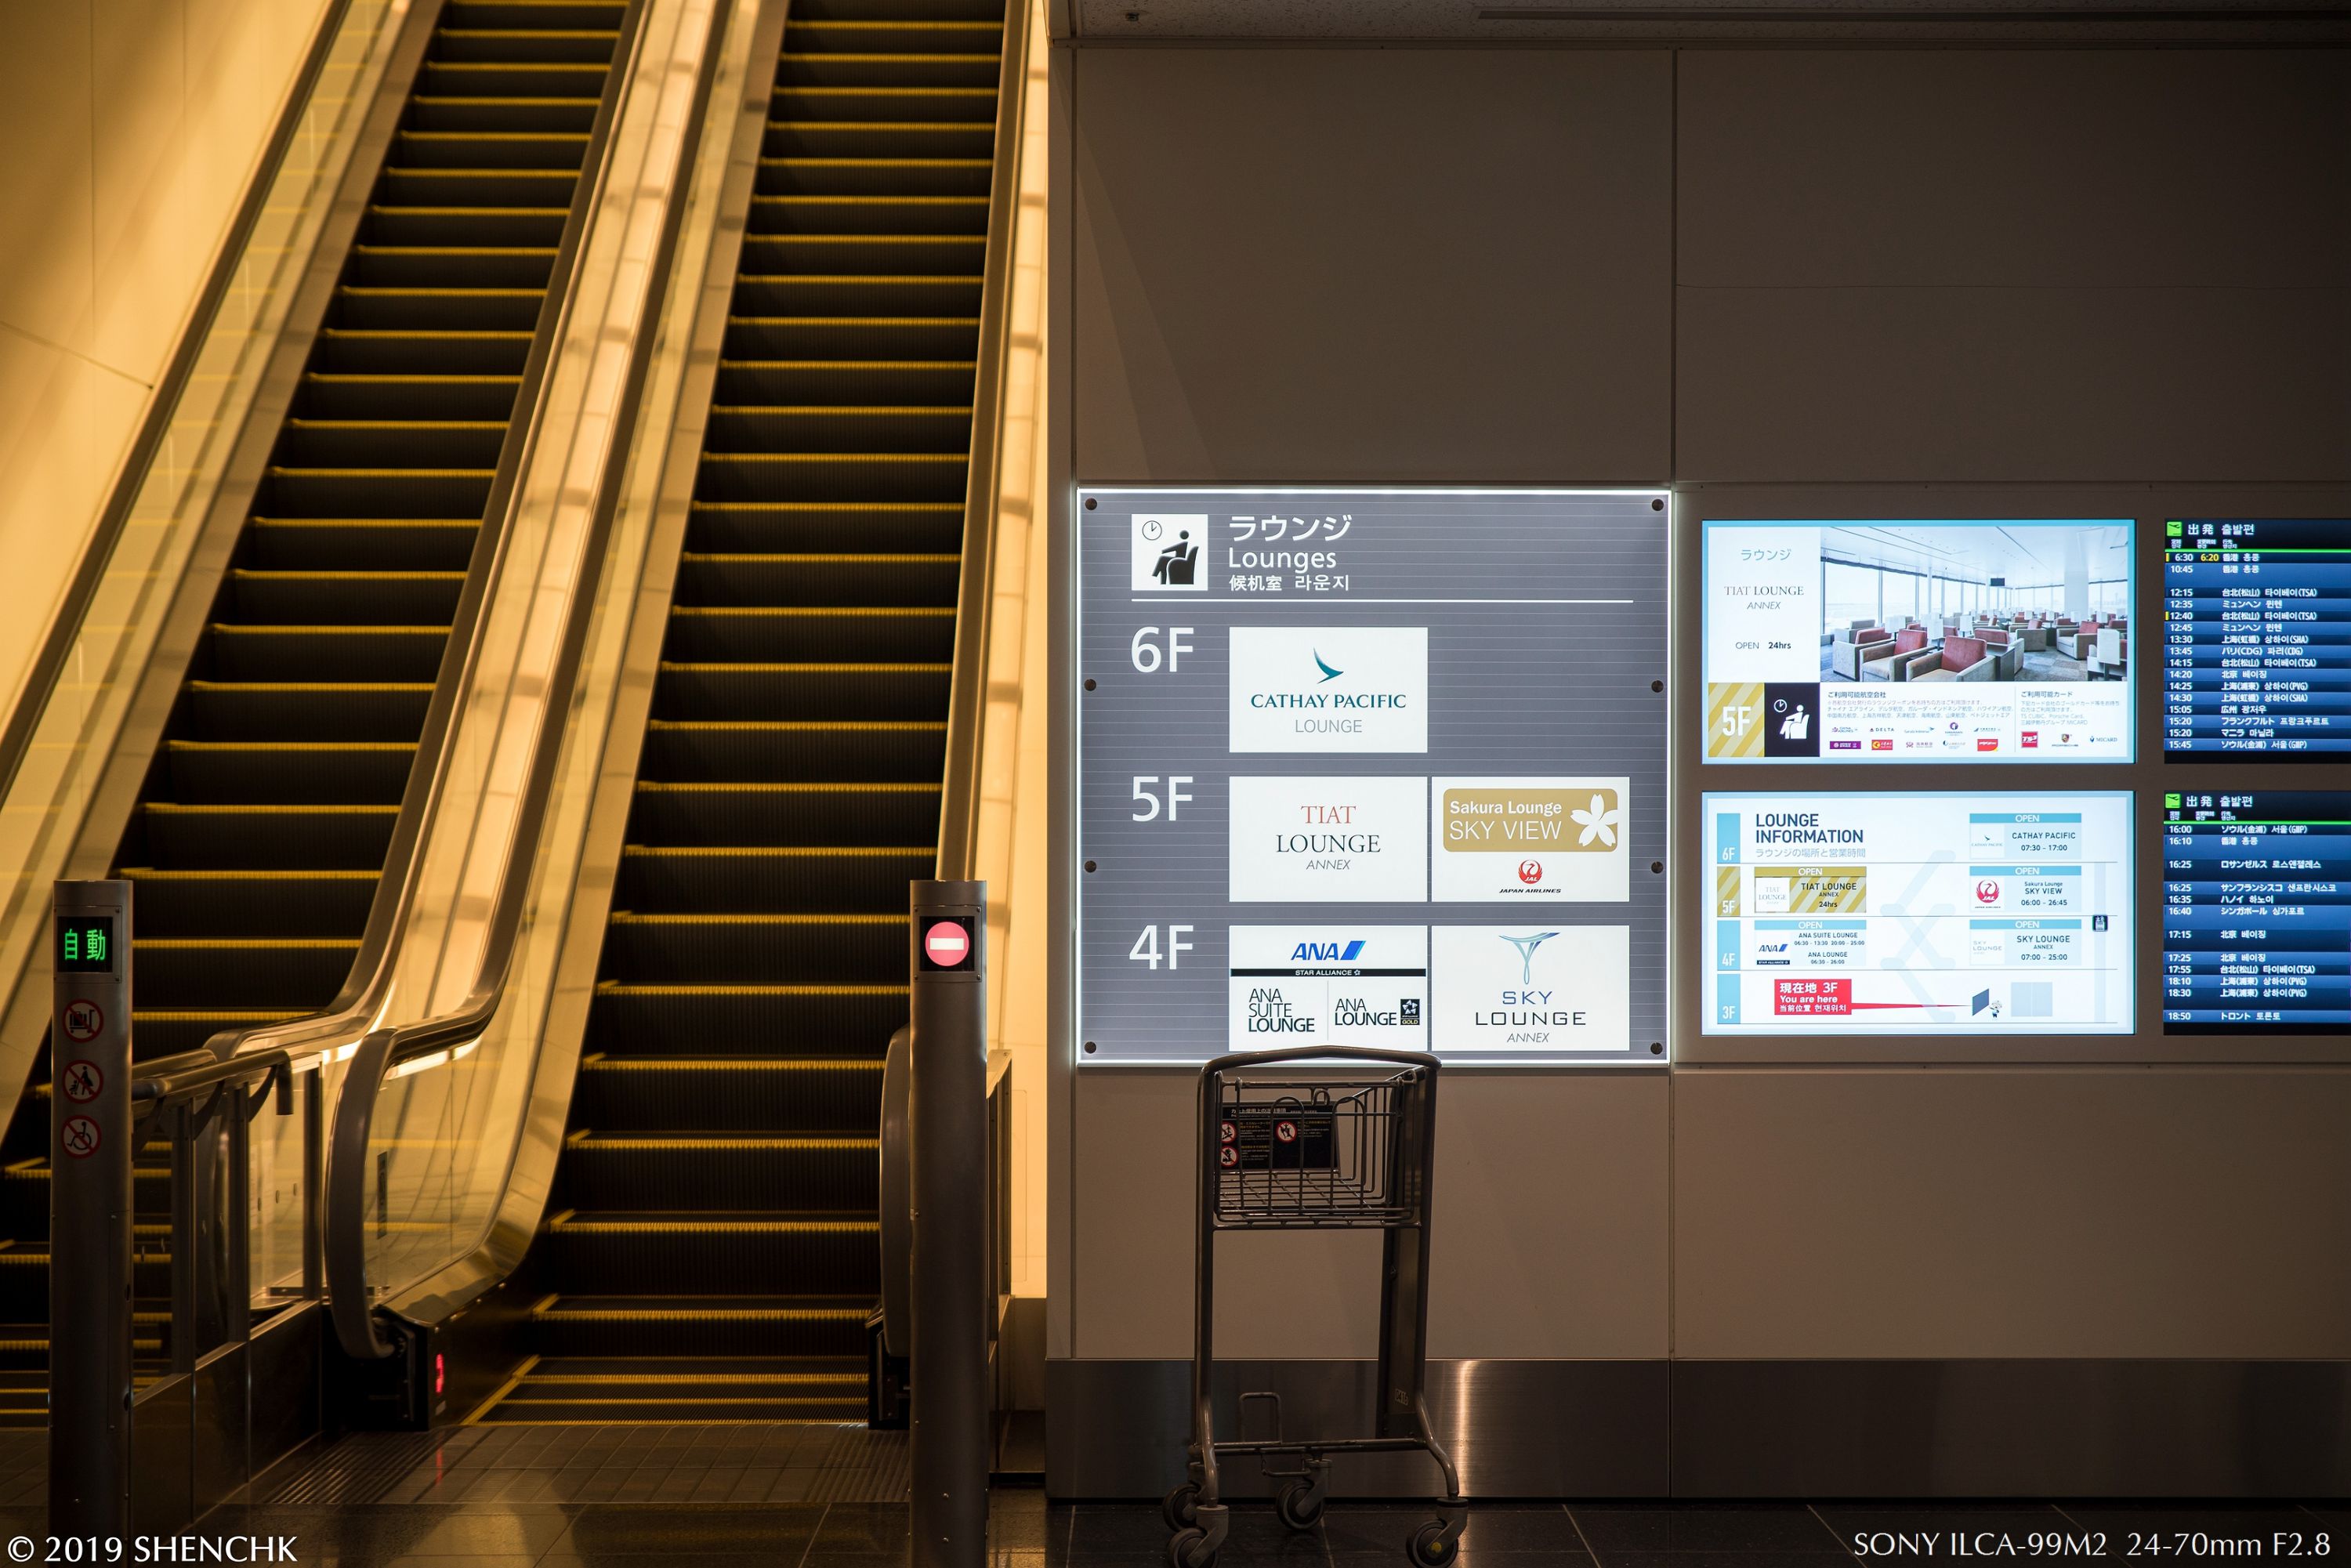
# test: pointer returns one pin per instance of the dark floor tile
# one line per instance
(387, 1530)
(1117, 1530)
(1613, 1529)
(863, 1527)
(618, 1530)
(1544, 1527)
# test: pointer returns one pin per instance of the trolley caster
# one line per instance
(1191, 1549)
(1300, 1505)
(1432, 1547)
(1181, 1508)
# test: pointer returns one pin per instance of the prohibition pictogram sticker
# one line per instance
(82, 1080)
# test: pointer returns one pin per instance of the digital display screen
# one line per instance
(85, 944)
(2257, 637)
(1379, 767)
(2257, 913)
(2003, 640)
(1919, 912)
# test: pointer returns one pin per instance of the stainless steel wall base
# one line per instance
(1516, 1428)
(1779, 1428)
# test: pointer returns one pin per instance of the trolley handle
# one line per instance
(1318, 1053)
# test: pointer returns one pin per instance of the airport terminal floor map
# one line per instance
(1380, 768)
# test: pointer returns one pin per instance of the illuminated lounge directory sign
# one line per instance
(1374, 767)
(1984, 640)
(2257, 637)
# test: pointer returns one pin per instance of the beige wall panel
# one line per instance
(1281, 273)
(45, 179)
(1551, 1229)
(2016, 169)
(240, 55)
(2061, 1213)
(148, 254)
(1811, 385)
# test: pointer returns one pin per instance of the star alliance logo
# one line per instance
(1526, 947)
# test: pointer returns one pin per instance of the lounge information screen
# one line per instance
(1919, 912)
(2257, 913)
(1992, 640)
(1371, 768)
(2257, 637)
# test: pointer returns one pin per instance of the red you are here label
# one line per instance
(1811, 999)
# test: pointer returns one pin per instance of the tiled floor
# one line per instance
(833, 1497)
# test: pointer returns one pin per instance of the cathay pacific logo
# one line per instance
(1328, 952)
(1329, 674)
(1526, 947)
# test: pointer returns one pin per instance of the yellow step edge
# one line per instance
(344, 687)
(627, 917)
(547, 250)
(301, 745)
(479, 102)
(254, 944)
(798, 725)
(468, 212)
(818, 609)
(966, 127)
(430, 172)
(940, 507)
(622, 989)
(299, 423)
(587, 1137)
(710, 1226)
(844, 200)
(855, 321)
(494, 136)
(810, 558)
(746, 1379)
(808, 161)
(323, 576)
(360, 378)
(406, 292)
(398, 473)
(956, 458)
(899, 411)
(244, 628)
(854, 851)
(174, 809)
(701, 1314)
(599, 1062)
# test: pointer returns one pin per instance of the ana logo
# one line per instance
(1329, 674)
(1328, 952)
(1987, 892)
(1165, 554)
(1531, 871)
(1526, 947)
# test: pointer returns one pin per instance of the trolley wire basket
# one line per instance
(1339, 1150)
(1312, 1153)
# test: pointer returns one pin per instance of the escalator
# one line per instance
(711, 1251)
(262, 828)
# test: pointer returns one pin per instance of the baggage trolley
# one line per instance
(1320, 1152)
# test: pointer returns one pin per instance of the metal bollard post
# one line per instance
(947, 1135)
(89, 1212)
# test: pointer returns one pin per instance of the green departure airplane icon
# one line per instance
(1526, 947)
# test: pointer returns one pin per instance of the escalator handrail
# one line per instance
(345, 1020)
(381, 1051)
(975, 582)
(48, 663)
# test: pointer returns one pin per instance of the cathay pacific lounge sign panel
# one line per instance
(1380, 768)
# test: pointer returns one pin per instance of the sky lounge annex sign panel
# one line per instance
(1377, 767)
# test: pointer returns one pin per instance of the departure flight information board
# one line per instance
(1919, 912)
(2257, 637)
(1378, 767)
(2257, 913)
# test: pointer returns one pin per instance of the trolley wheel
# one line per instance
(1430, 1549)
(1300, 1505)
(1190, 1549)
(1181, 1508)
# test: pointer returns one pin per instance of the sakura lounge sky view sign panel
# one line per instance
(1380, 768)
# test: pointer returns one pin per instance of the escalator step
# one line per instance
(360, 544)
(452, 109)
(419, 350)
(218, 772)
(482, 266)
(267, 838)
(705, 1171)
(841, 428)
(879, 36)
(247, 903)
(729, 1093)
(456, 225)
(895, 255)
(674, 879)
(786, 381)
(762, 1020)
(803, 175)
(879, 138)
(277, 972)
(794, 751)
(167, 1031)
(387, 597)
(416, 307)
(470, 42)
(721, 1254)
(703, 1325)
(850, 337)
(733, 815)
(740, 949)
(825, 527)
(306, 710)
(720, 691)
(507, 149)
(806, 101)
(244, 652)
(757, 633)
(844, 578)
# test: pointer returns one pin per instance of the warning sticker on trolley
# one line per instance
(1278, 1137)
